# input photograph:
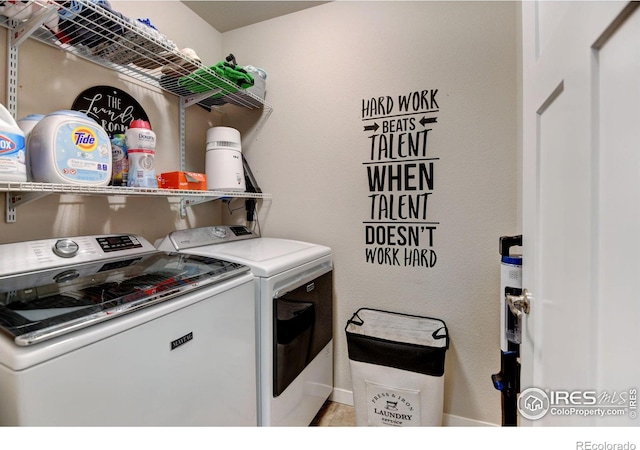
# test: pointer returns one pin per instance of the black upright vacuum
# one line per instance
(508, 379)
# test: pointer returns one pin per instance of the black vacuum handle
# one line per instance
(506, 242)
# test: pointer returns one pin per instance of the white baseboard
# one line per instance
(448, 420)
(342, 396)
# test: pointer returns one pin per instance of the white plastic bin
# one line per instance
(397, 368)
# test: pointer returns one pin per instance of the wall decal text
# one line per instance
(400, 175)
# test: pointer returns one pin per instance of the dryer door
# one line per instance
(302, 328)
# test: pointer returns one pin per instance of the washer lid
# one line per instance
(38, 306)
(265, 256)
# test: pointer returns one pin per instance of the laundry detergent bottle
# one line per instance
(13, 158)
(141, 152)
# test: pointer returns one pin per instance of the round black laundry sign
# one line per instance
(111, 107)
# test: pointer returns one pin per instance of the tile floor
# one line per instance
(333, 414)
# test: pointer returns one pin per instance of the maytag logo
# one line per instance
(180, 341)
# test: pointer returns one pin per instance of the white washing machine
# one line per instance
(109, 331)
(294, 291)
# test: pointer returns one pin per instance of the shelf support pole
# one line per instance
(12, 73)
(183, 144)
(9, 211)
(12, 104)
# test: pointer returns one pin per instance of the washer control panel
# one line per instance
(118, 243)
(29, 256)
(197, 237)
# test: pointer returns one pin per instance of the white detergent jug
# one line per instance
(27, 123)
(12, 149)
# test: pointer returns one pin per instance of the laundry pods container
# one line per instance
(223, 165)
(69, 147)
(397, 368)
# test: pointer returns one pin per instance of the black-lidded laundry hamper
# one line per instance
(397, 368)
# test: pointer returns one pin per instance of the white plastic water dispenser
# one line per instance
(224, 168)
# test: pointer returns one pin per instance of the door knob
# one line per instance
(519, 304)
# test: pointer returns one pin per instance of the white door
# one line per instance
(581, 212)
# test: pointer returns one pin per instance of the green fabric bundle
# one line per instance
(230, 77)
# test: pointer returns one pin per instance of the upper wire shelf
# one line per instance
(94, 31)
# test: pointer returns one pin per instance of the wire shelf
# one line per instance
(94, 31)
(57, 188)
(91, 30)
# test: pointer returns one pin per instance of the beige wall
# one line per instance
(321, 64)
(310, 154)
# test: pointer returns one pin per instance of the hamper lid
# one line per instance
(399, 327)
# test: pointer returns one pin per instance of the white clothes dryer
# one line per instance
(294, 295)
